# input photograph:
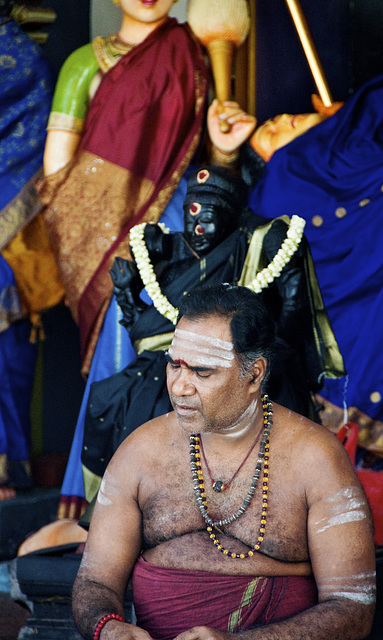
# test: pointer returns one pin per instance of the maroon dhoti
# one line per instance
(170, 601)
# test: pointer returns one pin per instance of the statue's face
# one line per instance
(206, 225)
(279, 131)
(147, 11)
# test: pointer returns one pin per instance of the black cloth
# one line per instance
(119, 404)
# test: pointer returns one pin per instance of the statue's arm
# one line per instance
(127, 286)
(225, 146)
(291, 285)
(69, 108)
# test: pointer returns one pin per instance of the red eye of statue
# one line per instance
(195, 208)
(199, 230)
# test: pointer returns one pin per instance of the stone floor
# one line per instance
(12, 615)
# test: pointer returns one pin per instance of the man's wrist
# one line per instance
(103, 621)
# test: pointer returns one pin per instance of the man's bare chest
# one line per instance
(172, 516)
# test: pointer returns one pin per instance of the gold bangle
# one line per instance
(222, 157)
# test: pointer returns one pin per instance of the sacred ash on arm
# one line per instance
(268, 534)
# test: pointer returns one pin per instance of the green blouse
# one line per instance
(78, 80)
(71, 98)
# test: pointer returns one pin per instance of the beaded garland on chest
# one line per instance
(199, 488)
(218, 485)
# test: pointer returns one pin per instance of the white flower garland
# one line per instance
(261, 280)
(148, 277)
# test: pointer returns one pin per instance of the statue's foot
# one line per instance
(54, 534)
(14, 475)
(6, 493)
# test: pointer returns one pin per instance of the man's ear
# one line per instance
(258, 373)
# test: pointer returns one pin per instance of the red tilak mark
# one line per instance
(179, 361)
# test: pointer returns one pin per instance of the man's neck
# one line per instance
(241, 433)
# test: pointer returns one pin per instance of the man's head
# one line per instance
(214, 200)
(219, 358)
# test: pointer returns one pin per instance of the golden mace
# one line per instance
(310, 51)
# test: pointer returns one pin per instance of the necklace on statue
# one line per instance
(219, 485)
(199, 487)
(261, 281)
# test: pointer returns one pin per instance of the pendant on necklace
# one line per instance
(219, 486)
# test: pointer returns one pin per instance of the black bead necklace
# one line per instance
(219, 485)
(199, 487)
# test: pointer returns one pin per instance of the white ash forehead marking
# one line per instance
(202, 350)
(185, 346)
(216, 342)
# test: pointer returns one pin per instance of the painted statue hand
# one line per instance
(321, 108)
(241, 126)
(127, 287)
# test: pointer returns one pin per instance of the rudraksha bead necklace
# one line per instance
(199, 488)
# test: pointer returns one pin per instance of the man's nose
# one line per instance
(181, 384)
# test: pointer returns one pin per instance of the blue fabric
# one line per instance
(17, 362)
(334, 174)
(114, 351)
(14, 418)
(25, 97)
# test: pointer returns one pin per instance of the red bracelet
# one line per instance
(101, 624)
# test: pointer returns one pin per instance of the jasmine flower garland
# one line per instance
(262, 280)
(148, 277)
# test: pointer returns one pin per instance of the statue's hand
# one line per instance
(318, 105)
(123, 272)
(155, 241)
(241, 126)
(127, 288)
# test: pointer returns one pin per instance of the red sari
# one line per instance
(141, 132)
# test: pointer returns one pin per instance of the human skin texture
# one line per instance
(318, 519)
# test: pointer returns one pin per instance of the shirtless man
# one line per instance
(210, 555)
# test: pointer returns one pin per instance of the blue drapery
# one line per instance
(25, 97)
(332, 176)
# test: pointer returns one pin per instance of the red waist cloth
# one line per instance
(170, 601)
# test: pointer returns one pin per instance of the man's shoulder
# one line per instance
(306, 438)
(151, 433)
(311, 455)
(143, 448)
